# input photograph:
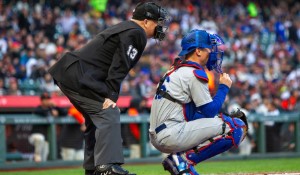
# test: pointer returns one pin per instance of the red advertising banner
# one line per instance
(33, 101)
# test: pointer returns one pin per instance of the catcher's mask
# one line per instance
(150, 10)
(201, 39)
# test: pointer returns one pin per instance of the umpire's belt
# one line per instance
(160, 128)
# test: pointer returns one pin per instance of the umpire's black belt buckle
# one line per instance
(160, 128)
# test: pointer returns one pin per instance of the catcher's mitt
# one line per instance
(241, 115)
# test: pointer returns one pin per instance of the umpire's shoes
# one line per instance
(112, 169)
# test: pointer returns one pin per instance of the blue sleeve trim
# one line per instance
(211, 109)
(201, 74)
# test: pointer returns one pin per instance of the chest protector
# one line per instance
(199, 72)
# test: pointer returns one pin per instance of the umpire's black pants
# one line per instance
(103, 142)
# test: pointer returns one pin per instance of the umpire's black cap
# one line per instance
(149, 10)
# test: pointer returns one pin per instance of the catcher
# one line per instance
(184, 120)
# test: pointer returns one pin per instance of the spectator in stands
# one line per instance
(30, 61)
(66, 22)
(13, 88)
(288, 138)
(38, 70)
(145, 86)
(47, 84)
(289, 100)
(131, 132)
(125, 88)
(3, 89)
(38, 138)
(272, 128)
(72, 144)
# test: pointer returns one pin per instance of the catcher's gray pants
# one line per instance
(103, 142)
(183, 136)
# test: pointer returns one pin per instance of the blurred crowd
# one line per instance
(261, 51)
(262, 46)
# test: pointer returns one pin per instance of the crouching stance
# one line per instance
(185, 119)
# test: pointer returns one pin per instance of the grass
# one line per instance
(210, 167)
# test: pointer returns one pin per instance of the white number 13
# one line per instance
(131, 52)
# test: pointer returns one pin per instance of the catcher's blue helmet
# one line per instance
(201, 39)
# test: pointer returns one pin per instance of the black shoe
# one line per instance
(111, 169)
(89, 172)
(169, 165)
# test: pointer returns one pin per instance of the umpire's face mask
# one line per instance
(160, 30)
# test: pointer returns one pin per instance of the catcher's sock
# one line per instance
(179, 167)
(184, 166)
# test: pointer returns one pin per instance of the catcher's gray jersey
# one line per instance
(184, 86)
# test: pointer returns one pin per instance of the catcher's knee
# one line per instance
(238, 129)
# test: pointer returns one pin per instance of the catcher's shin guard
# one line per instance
(220, 143)
(177, 165)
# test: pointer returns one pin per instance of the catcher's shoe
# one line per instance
(111, 169)
(179, 166)
(169, 165)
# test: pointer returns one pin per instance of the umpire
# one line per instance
(91, 77)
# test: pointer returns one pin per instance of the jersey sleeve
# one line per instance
(131, 46)
(199, 91)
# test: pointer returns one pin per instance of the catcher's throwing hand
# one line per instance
(107, 103)
(225, 79)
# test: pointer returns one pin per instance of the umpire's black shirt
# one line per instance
(97, 69)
